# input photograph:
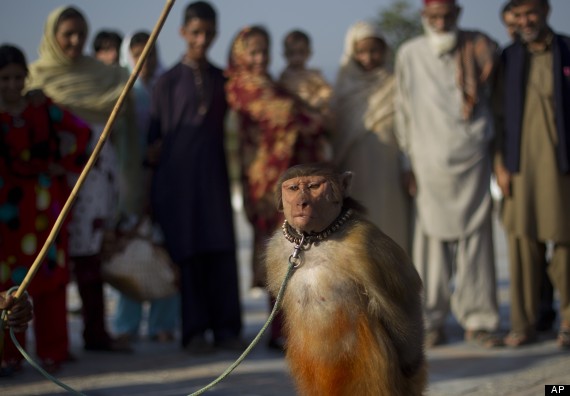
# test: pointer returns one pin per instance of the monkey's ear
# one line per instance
(346, 181)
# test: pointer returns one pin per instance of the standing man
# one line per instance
(445, 126)
(547, 312)
(190, 195)
(532, 166)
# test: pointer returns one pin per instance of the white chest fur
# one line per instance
(321, 283)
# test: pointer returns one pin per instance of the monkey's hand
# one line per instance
(19, 312)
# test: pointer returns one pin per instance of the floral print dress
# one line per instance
(37, 149)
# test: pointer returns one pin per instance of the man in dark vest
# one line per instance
(532, 166)
(547, 311)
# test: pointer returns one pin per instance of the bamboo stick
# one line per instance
(102, 139)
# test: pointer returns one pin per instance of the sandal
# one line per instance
(516, 339)
(483, 338)
(563, 338)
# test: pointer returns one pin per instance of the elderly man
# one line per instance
(532, 165)
(445, 126)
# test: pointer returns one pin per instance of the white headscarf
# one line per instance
(86, 86)
(363, 100)
(359, 31)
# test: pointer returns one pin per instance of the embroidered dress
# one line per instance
(275, 132)
(31, 198)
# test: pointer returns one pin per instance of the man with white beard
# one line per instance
(444, 126)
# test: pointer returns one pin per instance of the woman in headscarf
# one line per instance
(364, 140)
(89, 89)
(275, 132)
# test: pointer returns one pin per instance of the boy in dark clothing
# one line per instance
(190, 194)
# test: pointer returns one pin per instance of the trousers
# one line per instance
(458, 276)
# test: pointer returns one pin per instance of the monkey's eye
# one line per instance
(314, 186)
(293, 187)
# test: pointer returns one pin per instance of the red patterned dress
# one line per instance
(276, 131)
(37, 148)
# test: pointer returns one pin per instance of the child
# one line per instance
(39, 144)
(162, 312)
(106, 46)
(364, 142)
(307, 84)
(190, 194)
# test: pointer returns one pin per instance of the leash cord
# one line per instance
(294, 262)
(292, 265)
(40, 368)
(28, 358)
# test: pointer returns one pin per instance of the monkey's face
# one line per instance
(309, 204)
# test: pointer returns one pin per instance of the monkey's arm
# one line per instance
(277, 262)
(393, 288)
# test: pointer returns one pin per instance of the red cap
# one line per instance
(428, 2)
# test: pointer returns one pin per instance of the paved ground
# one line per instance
(165, 370)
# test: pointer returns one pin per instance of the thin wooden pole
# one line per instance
(104, 135)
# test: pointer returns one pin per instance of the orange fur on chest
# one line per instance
(348, 363)
(352, 313)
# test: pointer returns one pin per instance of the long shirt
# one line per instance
(449, 155)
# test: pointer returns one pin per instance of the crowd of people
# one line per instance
(423, 137)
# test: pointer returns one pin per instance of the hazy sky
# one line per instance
(22, 21)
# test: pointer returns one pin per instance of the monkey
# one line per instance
(352, 306)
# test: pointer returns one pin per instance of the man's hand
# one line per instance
(503, 177)
(19, 312)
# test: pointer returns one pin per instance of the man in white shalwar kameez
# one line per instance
(444, 125)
